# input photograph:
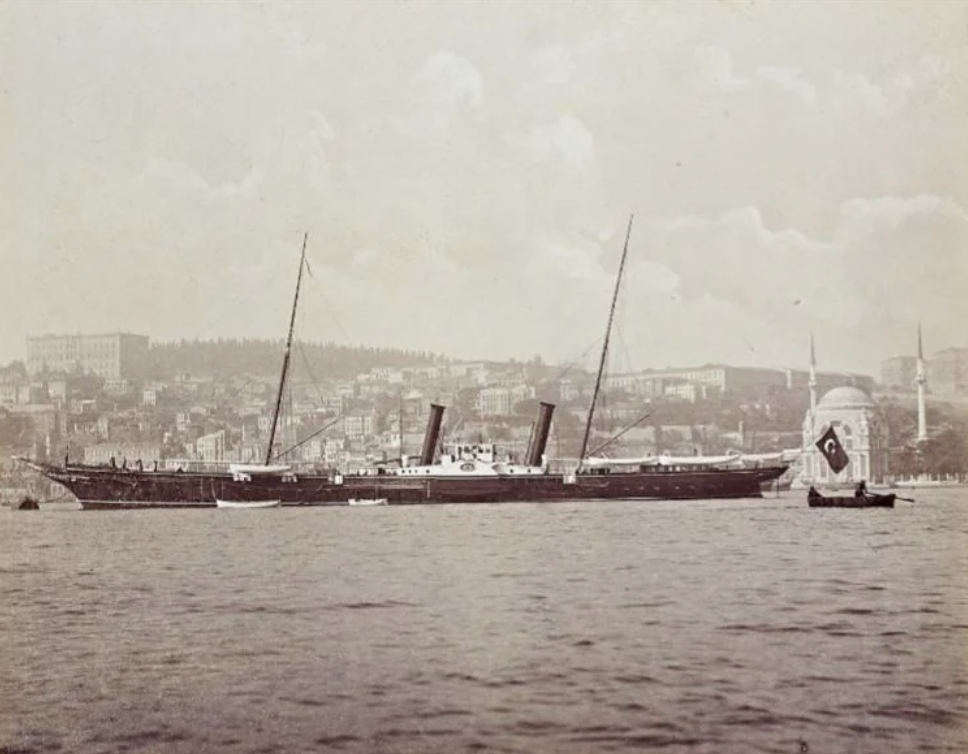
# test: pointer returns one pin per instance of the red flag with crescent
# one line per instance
(833, 451)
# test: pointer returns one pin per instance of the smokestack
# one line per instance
(541, 430)
(430, 437)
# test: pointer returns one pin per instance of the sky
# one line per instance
(466, 172)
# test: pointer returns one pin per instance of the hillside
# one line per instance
(264, 357)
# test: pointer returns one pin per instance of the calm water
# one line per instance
(710, 627)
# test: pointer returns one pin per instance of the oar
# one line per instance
(896, 497)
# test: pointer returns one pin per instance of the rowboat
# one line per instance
(867, 500)
(367, 501)
(247, 503)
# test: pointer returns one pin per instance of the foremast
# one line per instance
(604, 357)
(287, 355)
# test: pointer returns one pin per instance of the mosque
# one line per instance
(856, 420)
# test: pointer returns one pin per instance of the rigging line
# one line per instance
(575, 363)
(288, 353)
(306, 439)
(623, 350)
(309, 370)
(608, 332)
(354, 358)
(633, 425)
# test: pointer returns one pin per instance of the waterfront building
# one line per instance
(128, 453)
(211, 447)
(856, 420)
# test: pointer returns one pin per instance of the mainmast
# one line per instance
(812, 384)
(608, 334)
(286, 356)
(921, 379)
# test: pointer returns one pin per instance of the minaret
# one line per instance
(813, 384)
(921, 381)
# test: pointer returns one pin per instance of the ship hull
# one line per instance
(101, 488)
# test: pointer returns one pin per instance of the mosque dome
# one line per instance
(846, 398)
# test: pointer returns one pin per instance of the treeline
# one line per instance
(232, 356)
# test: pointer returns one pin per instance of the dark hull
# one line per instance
(868, 501)
(98, 487)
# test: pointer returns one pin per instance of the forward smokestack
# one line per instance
(433, 432)
(541, 430)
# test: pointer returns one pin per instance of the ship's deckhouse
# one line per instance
(470, 459)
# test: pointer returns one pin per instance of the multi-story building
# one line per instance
(113, 355)
(358, 426)
(948, 371)
(211, 447)
(14, 391)
(687, 391)
(45, 419)
(500, 401)
(750, 382)
(334, 451)
(127, 454)
(898, 372)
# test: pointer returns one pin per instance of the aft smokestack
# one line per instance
(433, 432)
(540, 440)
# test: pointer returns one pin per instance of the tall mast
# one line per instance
(608, 335)
(812, 384)
(400, 415)
(285, 358)
(921, 380)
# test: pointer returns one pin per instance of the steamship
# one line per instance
(461, 473)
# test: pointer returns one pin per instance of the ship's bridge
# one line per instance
(481, 451)
(471, 459)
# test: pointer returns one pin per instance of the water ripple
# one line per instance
(724, 626)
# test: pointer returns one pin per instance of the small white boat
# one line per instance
(369, 501)
(247, 503)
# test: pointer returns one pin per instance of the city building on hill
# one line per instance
(211, 447)
(687, 391)
(748, 382)
(44, 418)
(899, 372)
(358, 426)
(856, 421)
(948, 371)
(113, 355)
(123, 453)
(15, 391)
(500, 401)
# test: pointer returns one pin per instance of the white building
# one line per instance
(500, 401)
(855, 419)
(211, 447)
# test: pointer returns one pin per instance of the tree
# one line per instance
(946, 453)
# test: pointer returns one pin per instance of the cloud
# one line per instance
(891, 262)
(857, 89)
(789, 80)
(168, 174)
(473, 165)
(446, 86)
(894, 210)
(715, 66)
(566, 143)
(929, 78)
